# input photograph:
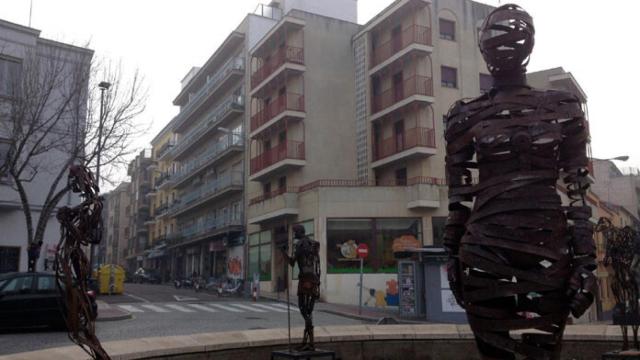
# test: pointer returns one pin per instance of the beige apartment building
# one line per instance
(349, 141)
(139, 208)
(116, 225)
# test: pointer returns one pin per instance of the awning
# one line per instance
(157, 251)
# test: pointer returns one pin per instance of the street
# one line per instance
(161, 310)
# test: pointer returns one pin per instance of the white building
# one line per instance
(20, 48)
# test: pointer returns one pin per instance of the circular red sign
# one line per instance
(363, 251)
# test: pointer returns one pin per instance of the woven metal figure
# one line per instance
(307, 254)
(518, 258)
(622, 255)
(80, 226)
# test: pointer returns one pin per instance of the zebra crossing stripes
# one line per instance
(130, 308)
(249, 308)
(272, 308)
(284, 306)
(179, 308)
(202, 307)
(154, 308)
(227, 308)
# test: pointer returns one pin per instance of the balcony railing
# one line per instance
(213, 151)
(232, 103)
(286, 150)
(272, 194)
(282, 55)
(164, 177)
(211, 188)
(233, 64)
(414, 34)
(210, 225)
(416, 137)
(416, 85)
(288, 101)
(164, 149)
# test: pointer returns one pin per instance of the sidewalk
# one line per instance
(107, 312)
(369, 314)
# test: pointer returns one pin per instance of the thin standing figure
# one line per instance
(307, 254)
(518, 258)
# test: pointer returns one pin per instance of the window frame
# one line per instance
(446, 36)
(447, 84)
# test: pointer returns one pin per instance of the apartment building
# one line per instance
(617, 187)
(139, 206)
(117, 226)
(353, 148)
(25, 56)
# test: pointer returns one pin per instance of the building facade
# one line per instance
(24, 56)
(139, 210)
(117, 226)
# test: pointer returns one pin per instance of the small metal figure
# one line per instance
(622, 255)
(518, 258)
(79, 226)
(307, 254)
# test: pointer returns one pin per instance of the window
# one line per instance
(282, 183)
(10, 77)
(438, 223)
(260, 255)
(18, 284)
(46, 284)
(447, 30)
(401, 177)
(344, 235)
(486, 83)
(9, 259)
(449, 77)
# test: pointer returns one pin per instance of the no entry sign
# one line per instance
(363, 251)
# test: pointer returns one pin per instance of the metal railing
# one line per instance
(233, 64)
(164, 149)
(213, 151)
(213, 118)
(416, 137)
(286, 150)
(283, 55)
(284, 102)
(204, 191)
(413, 34)
(416, 85)
(274, 193)
(199, 228)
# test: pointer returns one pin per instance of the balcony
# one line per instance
(214, 153)
(232, 105)
(164, 181)
(164, 150)
(278, 203)
(208, 192)
(416, 142)
(294, 56)
(232, 69)
(278, 158)
(209, 228)
(424, 192)
(412, 38)
(416, 88)
(161, 211)
(288, 105)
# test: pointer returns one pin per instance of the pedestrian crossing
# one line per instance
(207, 307)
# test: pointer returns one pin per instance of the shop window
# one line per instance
(344, 235)
(260, 255)
(438, 223)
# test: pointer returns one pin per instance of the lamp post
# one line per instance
(103, 86)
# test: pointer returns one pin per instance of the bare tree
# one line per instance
(52, 120)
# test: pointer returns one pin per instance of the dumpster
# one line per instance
(111, 279)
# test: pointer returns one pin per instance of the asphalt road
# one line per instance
(160, 310)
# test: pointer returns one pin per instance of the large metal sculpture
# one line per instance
(518, 258)
(307, 254)
(622, 255)
(80, 226)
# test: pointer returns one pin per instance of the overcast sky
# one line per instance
(596, 41)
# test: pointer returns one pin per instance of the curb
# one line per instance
(103, 306)
(115, 318)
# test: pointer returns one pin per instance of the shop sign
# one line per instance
(405, 243)
(216, 246)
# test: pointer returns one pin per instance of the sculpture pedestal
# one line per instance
(632, 354)
(303, 355)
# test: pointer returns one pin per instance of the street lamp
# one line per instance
(103, 86)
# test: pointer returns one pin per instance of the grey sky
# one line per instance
(594, 40)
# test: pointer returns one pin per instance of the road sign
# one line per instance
(363, 251)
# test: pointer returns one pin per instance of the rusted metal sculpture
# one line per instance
(621, 254)
(518, 258)
(307, 254)
(80, 226)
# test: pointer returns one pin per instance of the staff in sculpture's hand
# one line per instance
(519, 259)
(307, 254)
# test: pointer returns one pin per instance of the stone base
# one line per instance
(622, 355)
(304, 355)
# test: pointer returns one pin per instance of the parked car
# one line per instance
(33, 299)
(143, 276)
